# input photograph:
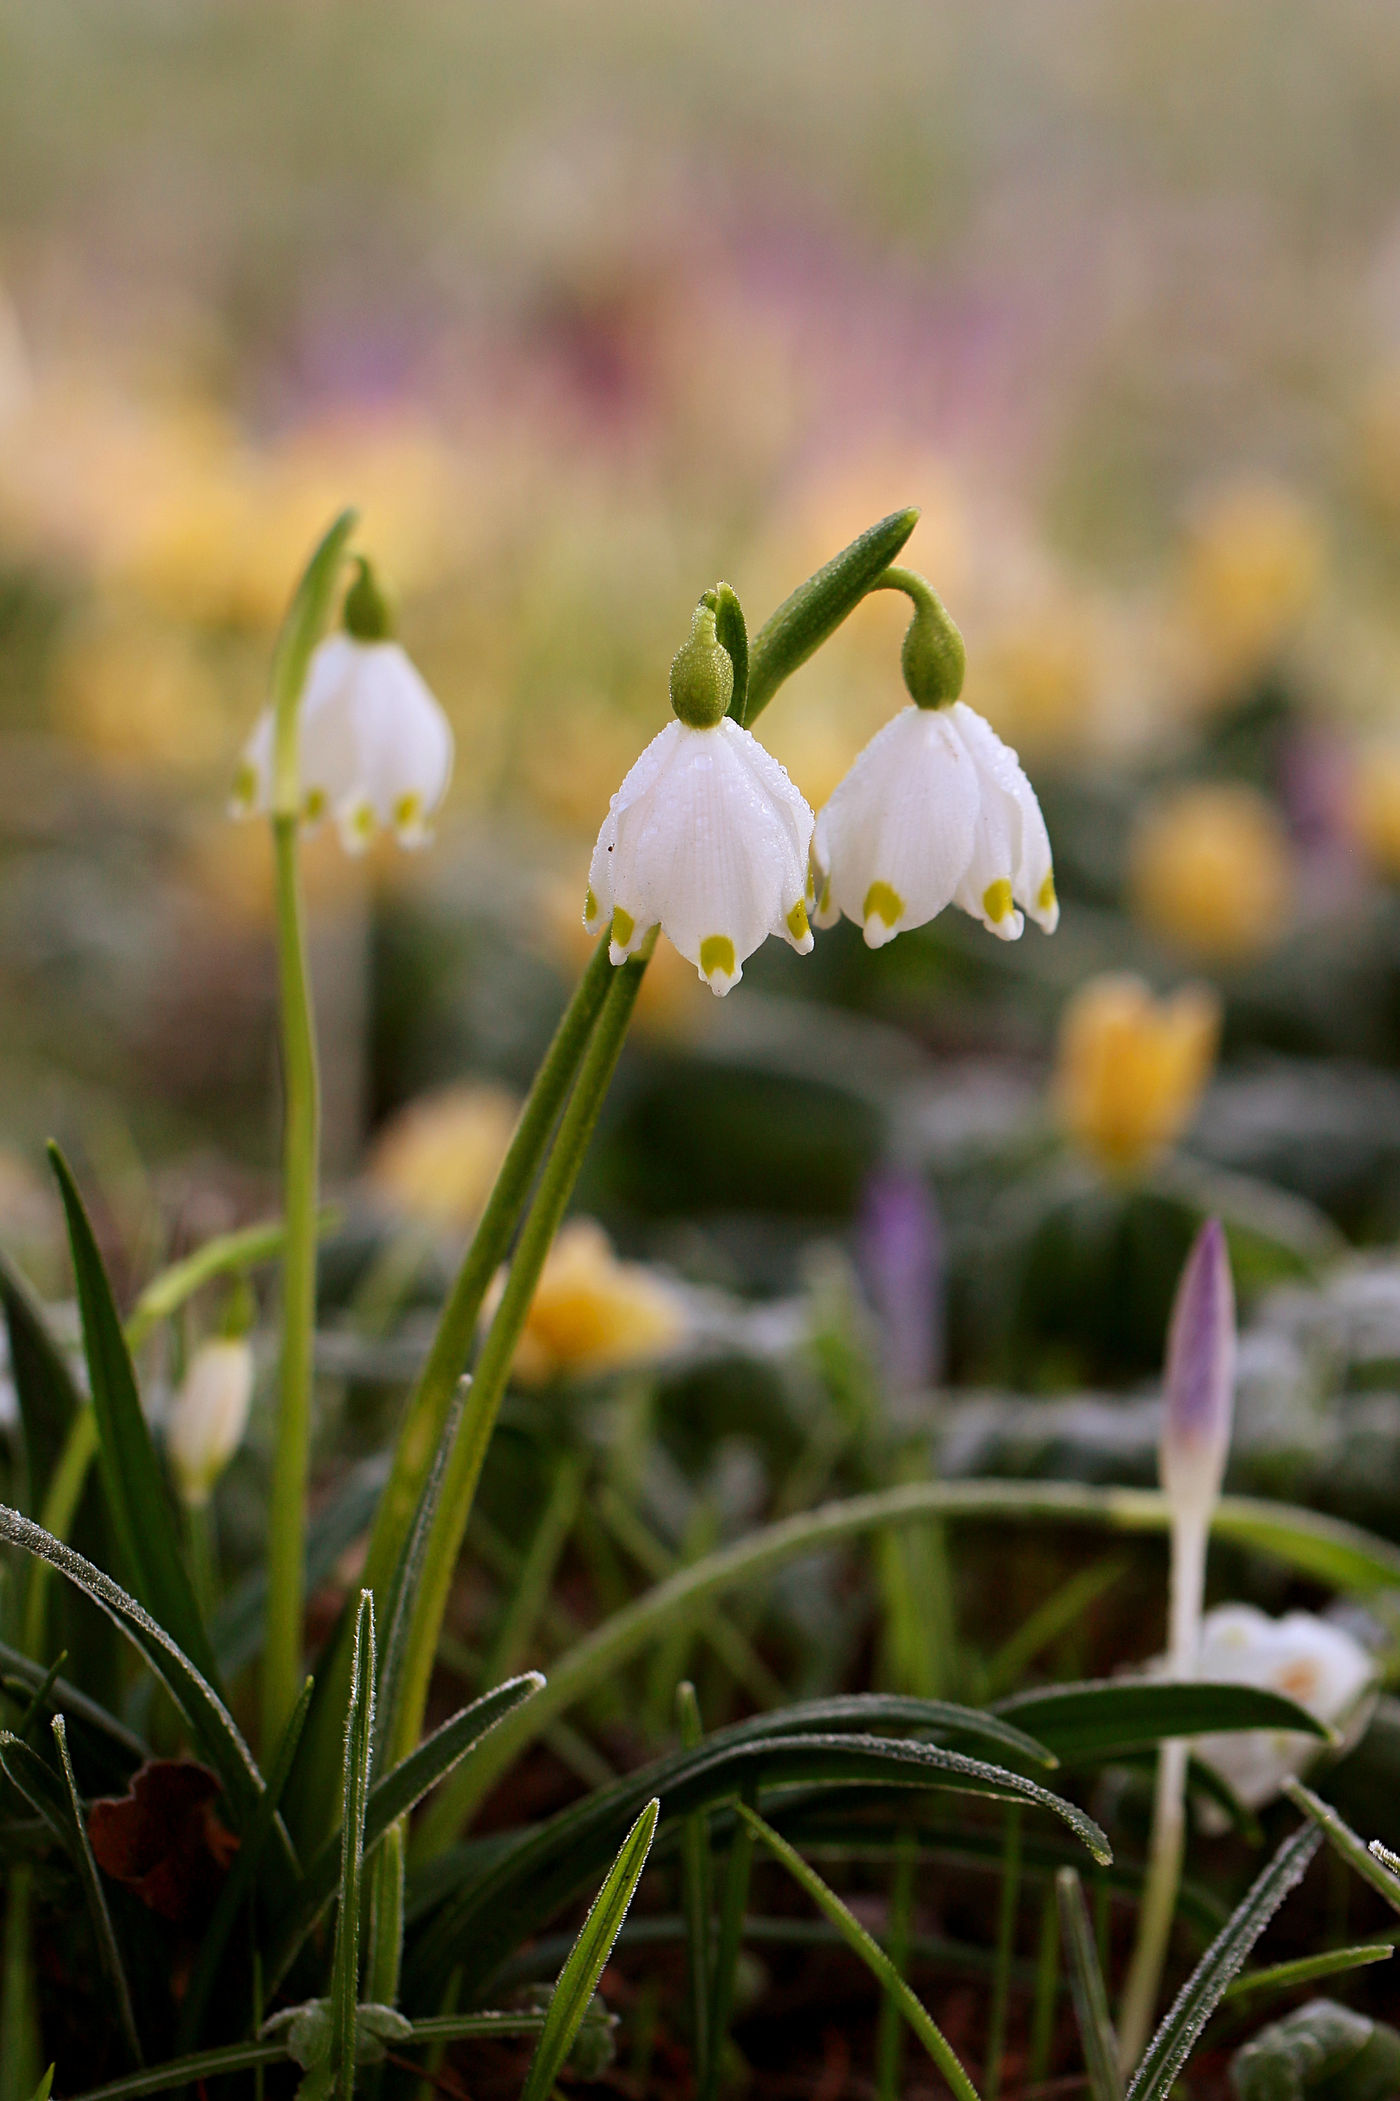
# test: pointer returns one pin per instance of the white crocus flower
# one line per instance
(374, 747)
(209, 1415)
(1310, 1660)
(707, 837)
(935, 811)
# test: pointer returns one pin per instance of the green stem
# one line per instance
(889, 2034)
(1158, 1904)
(19, 2072)
(696, 1896)
(734, 1902)
(478, 1420)
(1006, 1940)
(286, 1535)
(1047, 1991)
(60, 1504)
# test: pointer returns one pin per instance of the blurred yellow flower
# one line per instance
(1211, 871)
(138, 694)
(1039, 676)
(1375, 806)
(592, 1313)
(572, 757)
(1252, 568)
(435, 1161)
(1130, 1068)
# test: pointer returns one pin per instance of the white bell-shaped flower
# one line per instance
(1310, 1660)
(707, 837)
(374, 748)
(209, 1415)
(935, 811)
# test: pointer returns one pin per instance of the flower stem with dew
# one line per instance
(300, 1147)
(465, 1460)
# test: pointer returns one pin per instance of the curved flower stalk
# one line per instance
(374, 748)
(1198, 1412)
(707, 837)
(935, 811)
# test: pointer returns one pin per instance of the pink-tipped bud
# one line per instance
(1200, 1377)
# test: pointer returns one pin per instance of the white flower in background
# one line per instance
(935, 811)
(1309, 1660)
(707, 837)
(209, 1415)
(374, 748)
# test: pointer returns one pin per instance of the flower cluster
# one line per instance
(708, 838)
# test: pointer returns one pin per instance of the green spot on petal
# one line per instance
(996, 900)
(245, 786)
(797, 921)
(1045, 895)
(313, 807)
(408, 813)
(623, 926)
(717, 954)
(590, 904)
(883, 901)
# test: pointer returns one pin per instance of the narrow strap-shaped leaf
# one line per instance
(870, 1952)
(816, 609)
(64, 1696)
(1344, 1841)
(45, 2086)
(729, 1934)
(1086, 1988)
(578, 1980)
(136, 1489)
(1305, 1969)
(392, 1796)
(49, 1400)
(1106, 1718)
(1206, 1986)
(86, 1864)
(359, 1750)
(696, 1892)
(239, 1880)
(398, 1611)
(210, 1721)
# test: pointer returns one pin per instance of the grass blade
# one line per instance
(1111, 1717)
(734, 1902)
(137, 1495)
(63, 1696)
(359, 1751)
(1283, 1976)
(1344, 1841)
(81, 1848)
(209, 1720)
(398, 1605)
(696, 1893)
(869, 1951)
(1087, 1992)
(1206, 1986)
(49, 1400)
(578, 1980)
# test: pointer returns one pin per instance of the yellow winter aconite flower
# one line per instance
(1211, 871)
(436, 1160)
(1253, 565)
(592, 1313)
(1131, 1068)
(1375, 806)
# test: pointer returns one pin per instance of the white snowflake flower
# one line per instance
(1310, 1660)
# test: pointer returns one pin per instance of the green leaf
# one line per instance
(210, 1721)
(1206, 1986)
(398, 1612)
(696, 1891)
(359, 1752)
(1344, 1841)
(817, 608)
(869, 1951)
(1106, 1718)
(528, 1880)
(392, 1796)
(49, 1400)
(1087, 1991)
(732, 634)
(64, 1696)
(578, 1980)
(1284, 1976)
(136, 1490)
(45, 2087)
(237, 1625)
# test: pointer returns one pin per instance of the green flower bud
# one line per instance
(702, 674)
(368, 612)
(933, 656)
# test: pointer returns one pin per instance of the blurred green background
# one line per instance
(586, 307)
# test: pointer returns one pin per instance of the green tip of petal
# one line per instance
(313, 805)
(996, 900)
(590, 906)
(624, 926)
(717, 956)
(883, 902)
(797, 921)
(1045, 899)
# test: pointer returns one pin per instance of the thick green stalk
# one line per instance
(498, 1351)
(431, 1399)
(1006, 1944)
(286, 1536)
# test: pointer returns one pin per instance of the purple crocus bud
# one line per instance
(901, 1263)
(1200, 1378)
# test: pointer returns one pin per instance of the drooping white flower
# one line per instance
(374, 748)
(935, 811)
(707, 837)
(209, 1415)
(1310, 1660)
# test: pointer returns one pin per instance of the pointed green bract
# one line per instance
(578, 1980)
(816, 609)
(131, 1473)
(731, 631)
